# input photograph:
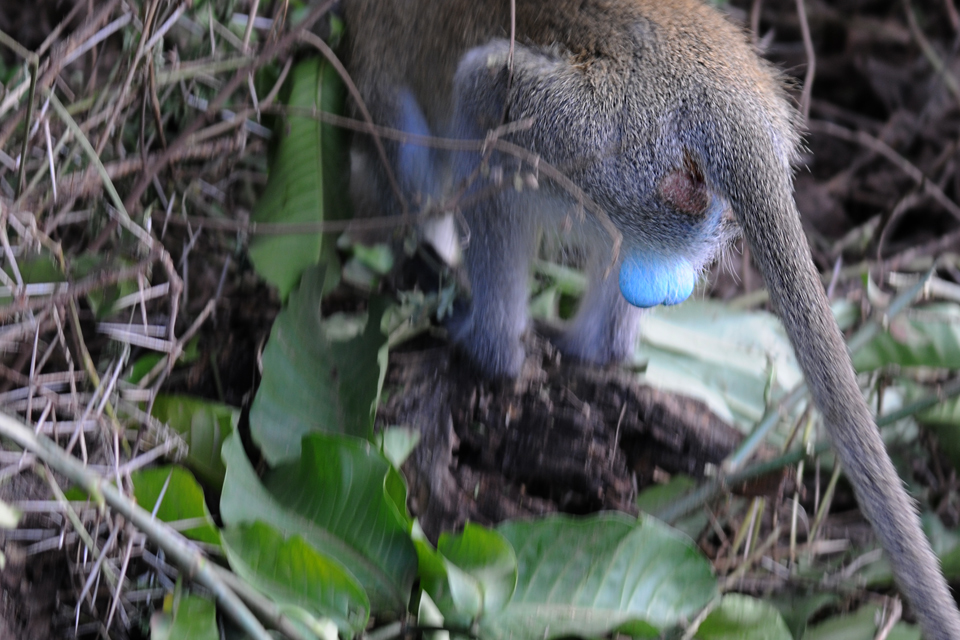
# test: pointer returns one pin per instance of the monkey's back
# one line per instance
(651, 46)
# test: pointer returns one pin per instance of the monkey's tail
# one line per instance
(750, 173)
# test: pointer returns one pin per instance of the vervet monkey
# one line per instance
(665, 117)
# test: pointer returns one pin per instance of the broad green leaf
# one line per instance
(311, 383)
(735, 361)
(36, 269)
(341, 498)
(322, 629)
(395, 494)
(592, 576)
(924, 337)
(182, 499)
(204, 426)
(398, 443)
(341, 327)
(658, 497)
(860, 625)
(456, 595)
(796, 609)
(486, 556)
(188, 616)
(429, 615)
(306, 179)
(149, 359)
(471, 574)
(743, 618)
(291, 572)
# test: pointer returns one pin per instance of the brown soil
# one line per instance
(571, 438)
(565, 437)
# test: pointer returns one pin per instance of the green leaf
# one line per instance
(567, 280)
(743, 618)
(945, 414)
(488, 557)
(291, 572)
(311, 383)
(102, 298)
(735, 361)
(928, 337)
(455, 594)
(796, 609)
(860, 625)
(556, 290)
(471, 574)
(945, 543)
(398, 443)
(943, 419)
(306, 179)
(338, 497)
(321, 629)
(545, 304)
(204, 426)
(34, 270)
(378, 258)
(591, 576)
(429, 615)
(658, 497)
(182, 499)
(143, 365)
(190, 616)
(359, 275)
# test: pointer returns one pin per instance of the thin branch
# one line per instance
(268, 53)
(879, 146)
(190, 560)
(811, 60)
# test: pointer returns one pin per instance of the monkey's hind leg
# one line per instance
(497, 257)
(502, 221)
(552, 95)
(605, 327)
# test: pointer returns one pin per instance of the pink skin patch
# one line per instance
(684, 189)
(684, 193)
(647, 278)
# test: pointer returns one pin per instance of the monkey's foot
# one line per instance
(495, 352)
(595, 345)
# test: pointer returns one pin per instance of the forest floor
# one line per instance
(878, 184)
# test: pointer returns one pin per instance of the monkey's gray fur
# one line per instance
(663, 115)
